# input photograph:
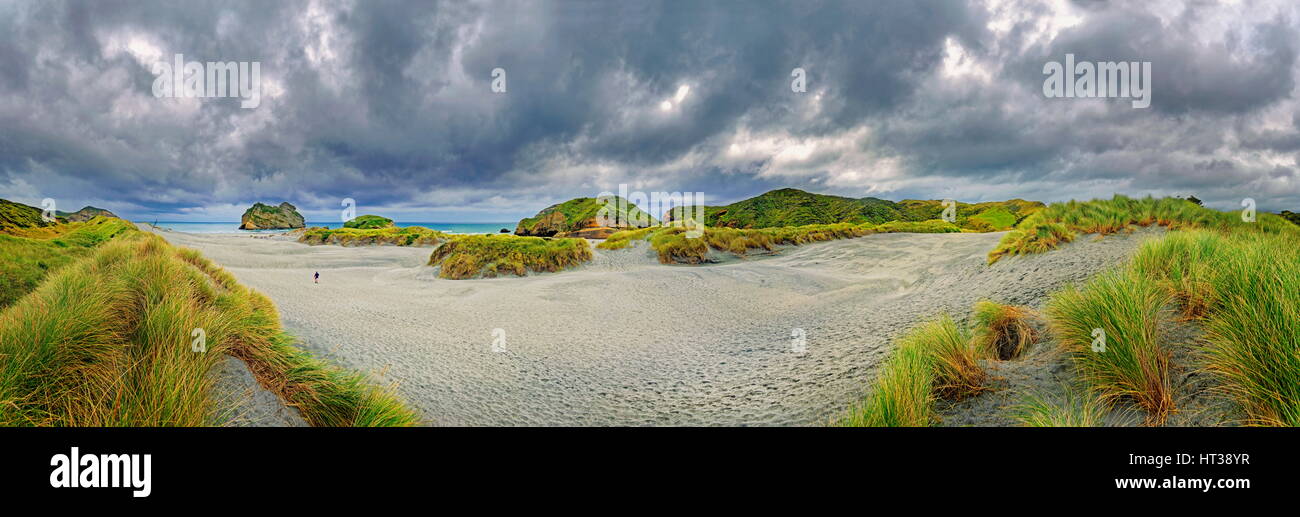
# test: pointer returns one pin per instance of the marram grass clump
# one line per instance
(470, 256)
(1243, 289)
(109, 341)
(1003, 331)
(1111, 327)
(935, 360)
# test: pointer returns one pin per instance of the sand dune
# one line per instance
(627, 341)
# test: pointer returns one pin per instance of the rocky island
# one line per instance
(266, 217)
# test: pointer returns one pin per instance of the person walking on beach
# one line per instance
(317, 278)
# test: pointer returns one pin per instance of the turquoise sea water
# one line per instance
(233, 227)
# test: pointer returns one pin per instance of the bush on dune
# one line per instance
(107, 341)
(470, 256)
(935, 360)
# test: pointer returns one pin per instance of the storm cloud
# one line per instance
(390, 103)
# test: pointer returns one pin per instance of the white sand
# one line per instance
(627, 341)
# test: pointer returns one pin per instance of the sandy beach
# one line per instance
(625, 340)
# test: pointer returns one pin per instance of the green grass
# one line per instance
(1074, 409)
(470, 256)
(1002, 331)
(674, 246)
(1242, 288)
(995, 219)
(935, 360)
(368, 222)
(391, 236)
(16, 216)
(1134, 364)
(106, 341)
(28, 256)
(1062, 222)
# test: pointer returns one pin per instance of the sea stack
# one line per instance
(266, 217)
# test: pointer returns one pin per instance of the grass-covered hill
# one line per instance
(18, 216)
(585, 213)
(793, 207)
(85, 214)
(96, 329)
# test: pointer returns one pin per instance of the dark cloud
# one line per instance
(389, 103)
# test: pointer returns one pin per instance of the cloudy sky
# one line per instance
(391, 103)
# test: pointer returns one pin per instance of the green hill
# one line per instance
(585, 213)
(17, 215)
(793, 207)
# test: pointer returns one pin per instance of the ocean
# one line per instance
(233, 227)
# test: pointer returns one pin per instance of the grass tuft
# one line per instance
(1134, 364)
(1003, 331)
(934, 360)
(1243, 288)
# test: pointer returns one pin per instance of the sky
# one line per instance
(392, 104)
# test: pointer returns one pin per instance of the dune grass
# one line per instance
(1077, 408)
(935, 360)
(391, 236)
(1244, 289)
(470, 256)
(108, 340)
(29, 255)
(674, 246)
(1002, 331)
(1134, 362)
(1060, 223)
